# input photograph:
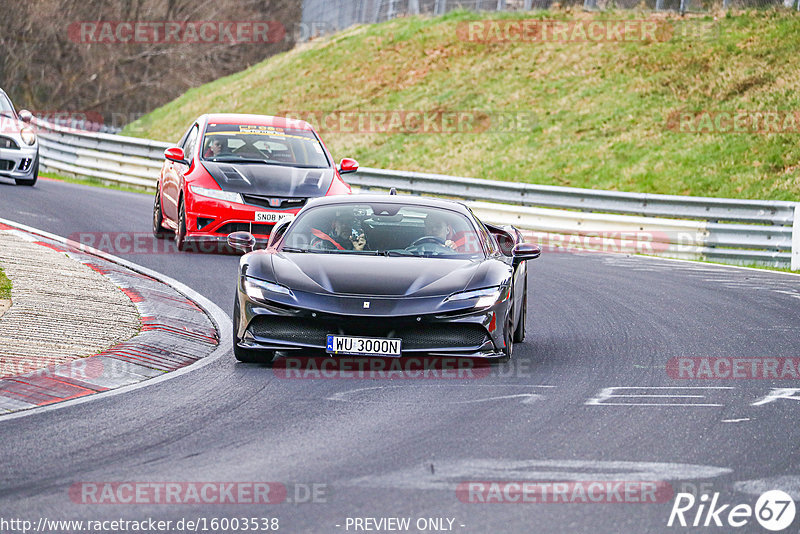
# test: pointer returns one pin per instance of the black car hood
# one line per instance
(378, 276)
(270, 180)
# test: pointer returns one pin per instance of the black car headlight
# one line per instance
(483, 298)
(262, 290)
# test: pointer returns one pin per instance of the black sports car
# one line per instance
(382, 275)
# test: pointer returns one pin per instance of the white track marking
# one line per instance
(610, 393)
(788, 483)
(449, 473)
(355, 395)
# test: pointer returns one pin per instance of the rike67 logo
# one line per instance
(774, 510)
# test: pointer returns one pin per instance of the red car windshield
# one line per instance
(248, 143)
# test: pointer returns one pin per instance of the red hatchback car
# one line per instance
(233, 172)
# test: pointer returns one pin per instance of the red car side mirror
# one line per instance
(176, 154)
(348, 165)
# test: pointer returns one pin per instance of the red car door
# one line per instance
(172, 174)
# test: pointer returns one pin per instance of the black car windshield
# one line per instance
(248, 143)
(389, 229)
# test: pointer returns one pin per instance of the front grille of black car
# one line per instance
(290, 329)
(281, 203)
(414, 335)
(255, 228)
(5, 142)
(6, 165)
(443, 335)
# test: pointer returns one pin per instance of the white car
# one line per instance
(19, 147)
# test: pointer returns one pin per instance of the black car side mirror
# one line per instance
(525, 251)
(278, 230)
(243, 241)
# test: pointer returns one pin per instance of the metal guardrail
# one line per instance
(717, 229)
(726, 230)
(113, 159)
(648, 205)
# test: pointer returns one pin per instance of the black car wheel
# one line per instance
(247, 355)
(180, 233)
(158, 217)
(508, 349)
(519, 332)
(30, 181)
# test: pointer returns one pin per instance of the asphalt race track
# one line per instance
(373, 448)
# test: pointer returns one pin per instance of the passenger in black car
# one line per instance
(342, 234)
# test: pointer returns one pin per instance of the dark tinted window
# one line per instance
(397, 229)
(276, 146)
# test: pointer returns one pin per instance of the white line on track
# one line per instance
(527, 398)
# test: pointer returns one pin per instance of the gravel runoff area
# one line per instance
(60, 307)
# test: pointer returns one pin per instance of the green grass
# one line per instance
(92, 182)
(600, 109)
(5, 286)
(757, 266)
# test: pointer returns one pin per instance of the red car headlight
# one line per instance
(228, 196)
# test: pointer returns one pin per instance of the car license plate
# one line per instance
(363, 346)
(271, 216)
